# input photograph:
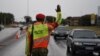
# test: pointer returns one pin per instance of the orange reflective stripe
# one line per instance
(41, 39)
(42, 42)
(40, 35)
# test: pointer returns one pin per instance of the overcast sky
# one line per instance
(69, 7)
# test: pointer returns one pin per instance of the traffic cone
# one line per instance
(17, 37)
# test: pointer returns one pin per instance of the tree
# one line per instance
(50, 19)
(63, 22)
(9, 18)
(1, 18)
(6, 18)
(68, 19)
(85, 20)
(28, 19)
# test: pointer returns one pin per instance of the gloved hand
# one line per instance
(28, 55)
(58, 8)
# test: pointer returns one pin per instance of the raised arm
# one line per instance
(59, 15)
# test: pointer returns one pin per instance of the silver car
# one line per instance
(83, 41)
(60, 33)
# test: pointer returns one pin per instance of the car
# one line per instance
(20, 25)
(1, 27)
(82, 41)
(14, 25)
(60, 32)
(99, 36)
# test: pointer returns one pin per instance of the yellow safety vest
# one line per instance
(40, 36)
(40, 30)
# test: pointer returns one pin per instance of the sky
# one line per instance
(68, 7)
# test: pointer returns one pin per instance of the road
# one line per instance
(57, 48)
(7, 33)
(17, 47)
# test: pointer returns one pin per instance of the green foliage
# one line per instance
(50, 19)
(85, 20)
(28, 19)
(63, 22)
(6, 18)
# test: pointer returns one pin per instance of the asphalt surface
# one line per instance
(16, 47)
(57, 48)
(6, 33)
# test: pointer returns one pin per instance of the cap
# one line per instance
(40, 16)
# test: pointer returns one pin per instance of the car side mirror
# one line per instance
(71, 36)
(52, 34)
(98, 36)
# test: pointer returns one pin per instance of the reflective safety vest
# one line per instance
(40, 36)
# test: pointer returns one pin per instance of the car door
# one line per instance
(69, 39)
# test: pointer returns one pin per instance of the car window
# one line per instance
(70, 33)
(61, 28)
(84, 34)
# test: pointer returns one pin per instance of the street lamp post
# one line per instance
(27, 7)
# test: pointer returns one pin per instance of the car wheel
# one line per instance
(55, 38)
(65, 37)
(0, 29)
(99, 54)
(68, 49)
(72, 51)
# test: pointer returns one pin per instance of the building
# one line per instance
(85, 20)
(98, 17)
(93, 19)
(73, 21)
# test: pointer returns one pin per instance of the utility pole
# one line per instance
(27, 7)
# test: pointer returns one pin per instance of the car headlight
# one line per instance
(98, 44)
(77, 43)
(55, 32)
(66, 32)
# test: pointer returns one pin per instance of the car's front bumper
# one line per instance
(60, 35)
(86, 48)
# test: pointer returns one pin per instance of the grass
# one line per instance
(94, 28)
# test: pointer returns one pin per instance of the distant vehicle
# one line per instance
(14, 25)
(99, 36)
(82, 41)
(21, 28)
(20, 25)
(1, 27)
(60, 32)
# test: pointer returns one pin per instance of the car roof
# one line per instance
(61, 26)
(81, 29)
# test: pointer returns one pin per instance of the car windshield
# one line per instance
(84, 34)
(61, 29)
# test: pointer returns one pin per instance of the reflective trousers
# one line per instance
(39, 52)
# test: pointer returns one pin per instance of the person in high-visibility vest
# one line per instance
(38, 34)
